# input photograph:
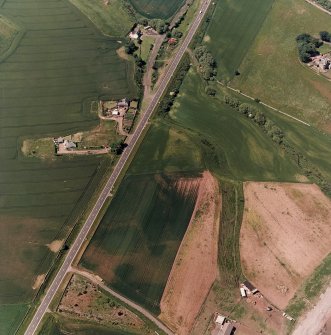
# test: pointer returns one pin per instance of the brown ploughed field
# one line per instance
(195, 267)
(286, 233)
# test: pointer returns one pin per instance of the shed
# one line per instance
(250, 287)
(69, 144)
(60, 140)
(228, 329)
(115, 112)
(220, 319)
(243, 292)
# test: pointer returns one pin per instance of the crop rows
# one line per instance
(46, 84)
(137, 240)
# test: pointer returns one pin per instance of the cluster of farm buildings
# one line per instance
(223, 325)
(122, 110)
(108, 110)
(321, 62)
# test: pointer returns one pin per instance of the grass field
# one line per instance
(145, 47)
(137, 239)
(233, 28)
(271, 70)
(47, 83)
(8, 31)
(157, 8)
(114, 19)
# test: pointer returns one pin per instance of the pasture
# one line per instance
(60, 65)
(271, 70)
(159, 9)
(233, 28)
(114, 18)
(137, 240)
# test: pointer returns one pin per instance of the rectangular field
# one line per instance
(284, 225)
(157, 8)
(137, 240)
(112, 19)
(47, 83)
(233, 28)
(272, 72)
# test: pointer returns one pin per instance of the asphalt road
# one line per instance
(77, 244)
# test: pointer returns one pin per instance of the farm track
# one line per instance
(318, 6)
(264, 104)
(314, 320)
(81, 237)
(129, 302)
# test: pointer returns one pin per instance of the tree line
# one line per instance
(207, 63)
(279, 137)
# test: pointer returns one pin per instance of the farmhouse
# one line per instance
(172, 40)
(135, 33)
(69, 145)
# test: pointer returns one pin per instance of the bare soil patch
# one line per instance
(55, 246)
(121, 53)
(83, 299)
(39, 280)
(195, 267)
(286, 233)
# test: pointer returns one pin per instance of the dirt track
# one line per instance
(314, 321)
(285, 225)
(195, 266)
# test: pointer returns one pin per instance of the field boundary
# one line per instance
(263, 103)
(313, 3)
(123, 299)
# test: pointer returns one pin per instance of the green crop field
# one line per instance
(233, 28)
(157, 8)
(240, 149)
(138, 237)
(10, 316)
(271, 70)
(47, 82)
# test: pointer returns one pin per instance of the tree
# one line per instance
(130, 48)
(259, 118)
(178, 34)
(210, 91)
(325, 36)
(118, 147)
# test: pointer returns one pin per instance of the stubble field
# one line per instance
(284, 225)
